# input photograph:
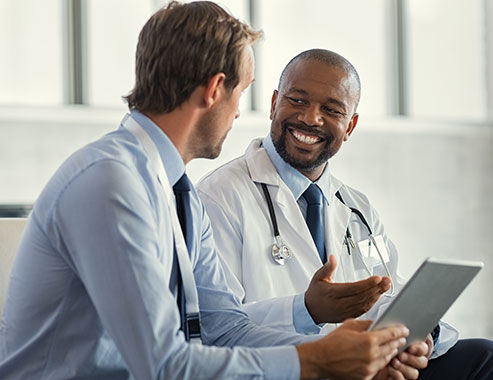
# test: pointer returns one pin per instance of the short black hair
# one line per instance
(329, 58)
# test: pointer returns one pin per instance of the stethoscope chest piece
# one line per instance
(280, 252)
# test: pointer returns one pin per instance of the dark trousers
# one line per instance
(469, 359)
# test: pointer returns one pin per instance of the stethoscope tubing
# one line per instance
(271, 210)
(348, 237)
(371, 240)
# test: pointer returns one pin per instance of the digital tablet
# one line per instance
(427, 295)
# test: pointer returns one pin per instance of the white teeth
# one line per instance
(304, 138)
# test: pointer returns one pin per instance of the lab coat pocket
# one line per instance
(370, 258)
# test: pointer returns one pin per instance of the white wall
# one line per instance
(430, 182)
(432, 185)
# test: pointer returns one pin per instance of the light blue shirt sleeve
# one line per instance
(118, 251)
(302, 320)
(96, 263)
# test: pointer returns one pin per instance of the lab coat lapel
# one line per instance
(260, 166)
(292, 225)
(337, 216)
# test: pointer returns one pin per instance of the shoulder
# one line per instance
(229, 190)
(228, 178)
(352, 196)
(357, 199)
(99, 168)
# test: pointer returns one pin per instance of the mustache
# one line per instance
(305, 128)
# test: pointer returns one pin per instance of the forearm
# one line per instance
(228, 325)
(283, 313)
(204, 362)
(309, 366)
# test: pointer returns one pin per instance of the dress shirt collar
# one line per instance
(172, 161)
(294, 180)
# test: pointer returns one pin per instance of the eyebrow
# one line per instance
(329, 100)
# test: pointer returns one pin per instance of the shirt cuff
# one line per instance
(302, 320)
(446, 339)
(435, 334)
(281, 362)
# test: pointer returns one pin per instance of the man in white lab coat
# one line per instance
(313, 112)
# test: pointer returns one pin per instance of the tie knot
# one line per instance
(313, 195)
(182, 185)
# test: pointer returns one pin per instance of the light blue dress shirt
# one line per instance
(294, 180)
(298, 183)
(92, 289)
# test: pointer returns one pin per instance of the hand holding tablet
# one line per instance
(427, 296)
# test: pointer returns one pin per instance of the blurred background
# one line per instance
(422, 151)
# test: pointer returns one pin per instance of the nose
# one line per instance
(237, 113)
(311, 116)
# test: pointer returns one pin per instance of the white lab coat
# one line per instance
(243, 231)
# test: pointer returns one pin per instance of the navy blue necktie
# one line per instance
(182, 194)
(314, 218)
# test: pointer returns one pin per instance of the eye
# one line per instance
(295, 100)
(331, 111)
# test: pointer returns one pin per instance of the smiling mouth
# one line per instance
(304, 138)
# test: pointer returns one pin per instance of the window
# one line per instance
(446, 72)
(31, 42)
(113, 28)
(441, 73)
(353, 28)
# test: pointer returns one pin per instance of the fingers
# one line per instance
(357, 304)
(370, 281)
(333, 262)
(362, 302)
(430, 344)
(418, 349)
(376, 348)
(407, 371)
(326, 271)
(385, 284)
(395, 374)
(388, 350)
(348, 289)
(384, 354)
(408, 364)
(383, 374)
(392, 334)
(415, 361)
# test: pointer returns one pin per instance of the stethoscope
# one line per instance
(281, 252)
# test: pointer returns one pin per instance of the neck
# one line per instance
(177, 125)
(314, 174)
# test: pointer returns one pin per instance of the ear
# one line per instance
(273, 103)
(351, 126)
(214, 89)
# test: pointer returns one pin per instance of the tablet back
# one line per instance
(427, 296)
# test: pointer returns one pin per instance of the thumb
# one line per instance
(325, 273)
(356, 324)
